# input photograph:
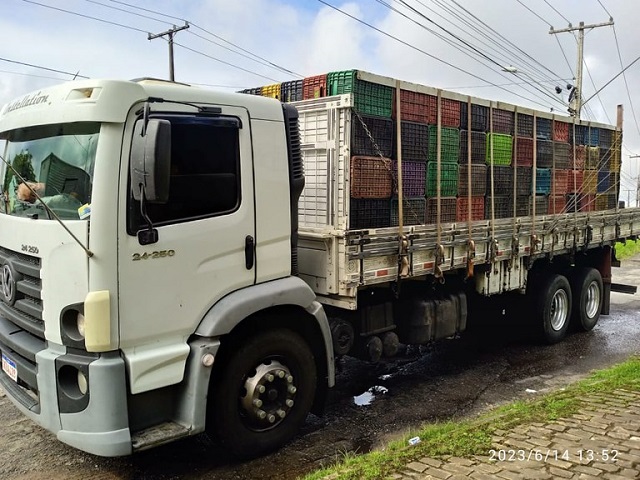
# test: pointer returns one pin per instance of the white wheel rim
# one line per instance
(593, 299)
(559, 309)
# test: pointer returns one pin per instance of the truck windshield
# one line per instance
(54, 161)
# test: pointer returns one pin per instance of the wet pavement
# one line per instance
(371, 404)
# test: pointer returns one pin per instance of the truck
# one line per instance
(176, 260)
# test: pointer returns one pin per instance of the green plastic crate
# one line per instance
(449, 144)
(448, 179)
(369, 98)
(502, 148)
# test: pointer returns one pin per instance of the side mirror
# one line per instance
(150, 163)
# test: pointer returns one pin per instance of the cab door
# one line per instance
(206, 231)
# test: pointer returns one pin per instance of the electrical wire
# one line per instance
(555, 10)
(42, 68)
(624, 76)
(595, 88)
(542, 19)
(605, 9)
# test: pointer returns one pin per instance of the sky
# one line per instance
(236, 44)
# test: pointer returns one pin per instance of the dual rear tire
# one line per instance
(560, 302)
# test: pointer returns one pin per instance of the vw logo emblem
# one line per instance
(8, 284)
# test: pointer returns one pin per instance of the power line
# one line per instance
(605, 9)
(624, 76)
(31, 75)
(595, 88)
(42, 68)
(509, 84)
(554, 9)
(565, 56)
(542, 19)
(615, 76)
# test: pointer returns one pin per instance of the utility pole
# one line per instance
(638, 185)
(576, 104)
(171, 32)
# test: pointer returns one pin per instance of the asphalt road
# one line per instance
(371, 404)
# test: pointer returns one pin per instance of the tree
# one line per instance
(23, 164)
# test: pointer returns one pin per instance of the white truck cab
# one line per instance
(148, 258)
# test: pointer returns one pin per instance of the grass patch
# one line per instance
(627, 249)
(473, 436)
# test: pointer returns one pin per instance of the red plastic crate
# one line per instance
(448, 209)
(477, 209)
(557, 204)
(314, 87)
(450, 110)
(560, 182)
(560, 131)
(414, 106)
(575, 181)
(524, 152)
(371, 177)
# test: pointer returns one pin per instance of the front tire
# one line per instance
(552, 307)
(587, 291)
(264, 394)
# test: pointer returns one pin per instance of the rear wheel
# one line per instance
(587, 291)
(552, 306)
(264, 394)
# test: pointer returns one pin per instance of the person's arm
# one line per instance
(26, 194)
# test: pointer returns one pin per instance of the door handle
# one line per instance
(249, 251)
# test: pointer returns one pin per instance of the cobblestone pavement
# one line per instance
(601, 442)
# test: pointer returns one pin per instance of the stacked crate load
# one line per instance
(523, 170)
(544, 160)
(608, 179)
(476, 136)
(500, 153)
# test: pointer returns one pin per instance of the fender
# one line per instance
(231, 310)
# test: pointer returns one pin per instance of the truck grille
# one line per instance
(21, 322)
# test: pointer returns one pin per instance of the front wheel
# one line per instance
(552, 307)
(586, 287)
(264, 394)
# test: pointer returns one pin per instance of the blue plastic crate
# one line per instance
(543, 128)
(543, 181)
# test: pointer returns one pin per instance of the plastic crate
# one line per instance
(573, 202)
(614, 183)
(524, 152)
(291, 91)
(605, 201)
(502, 149)
(560, 185)
(271, 91)
(502, 121)
(478, 147)
(580, 156)
(478, 180)
(370, 177)
(593, 136)
(581, 134)
(448, 209)
(415, 141)
(252, 91)
(381, 130)
(369, 213)
(557, 204)
(615, 160)
(369, 98)
(575, 181)
(606, 138)
(479, 117)
(561, 155)
(449, 141)
(502, 206)
(525, 125)
(605, 159)
(587, 203)
(592, 159)
(448, 179)
(560, 131)
(414, 106)
(543, 128)
(450, 110)
(544, 154)
(524, 180)
(413, 211)
(314, 87)
(543, 181)
(524, 205)
(590, 182)
(413, 178)
(502, 180)
(477, 209)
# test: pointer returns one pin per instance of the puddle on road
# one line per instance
(369, 396)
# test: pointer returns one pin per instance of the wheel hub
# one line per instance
(593, 299)
(268, 394)
(559, 310)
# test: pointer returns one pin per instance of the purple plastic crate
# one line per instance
(413, 178)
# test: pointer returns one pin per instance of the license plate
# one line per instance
(10, 368)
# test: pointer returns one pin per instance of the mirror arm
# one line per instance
(150, 235)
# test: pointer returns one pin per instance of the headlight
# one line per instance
(80, 324)
(83, 386)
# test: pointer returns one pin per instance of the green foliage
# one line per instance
(22, 163)
(627, 249)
